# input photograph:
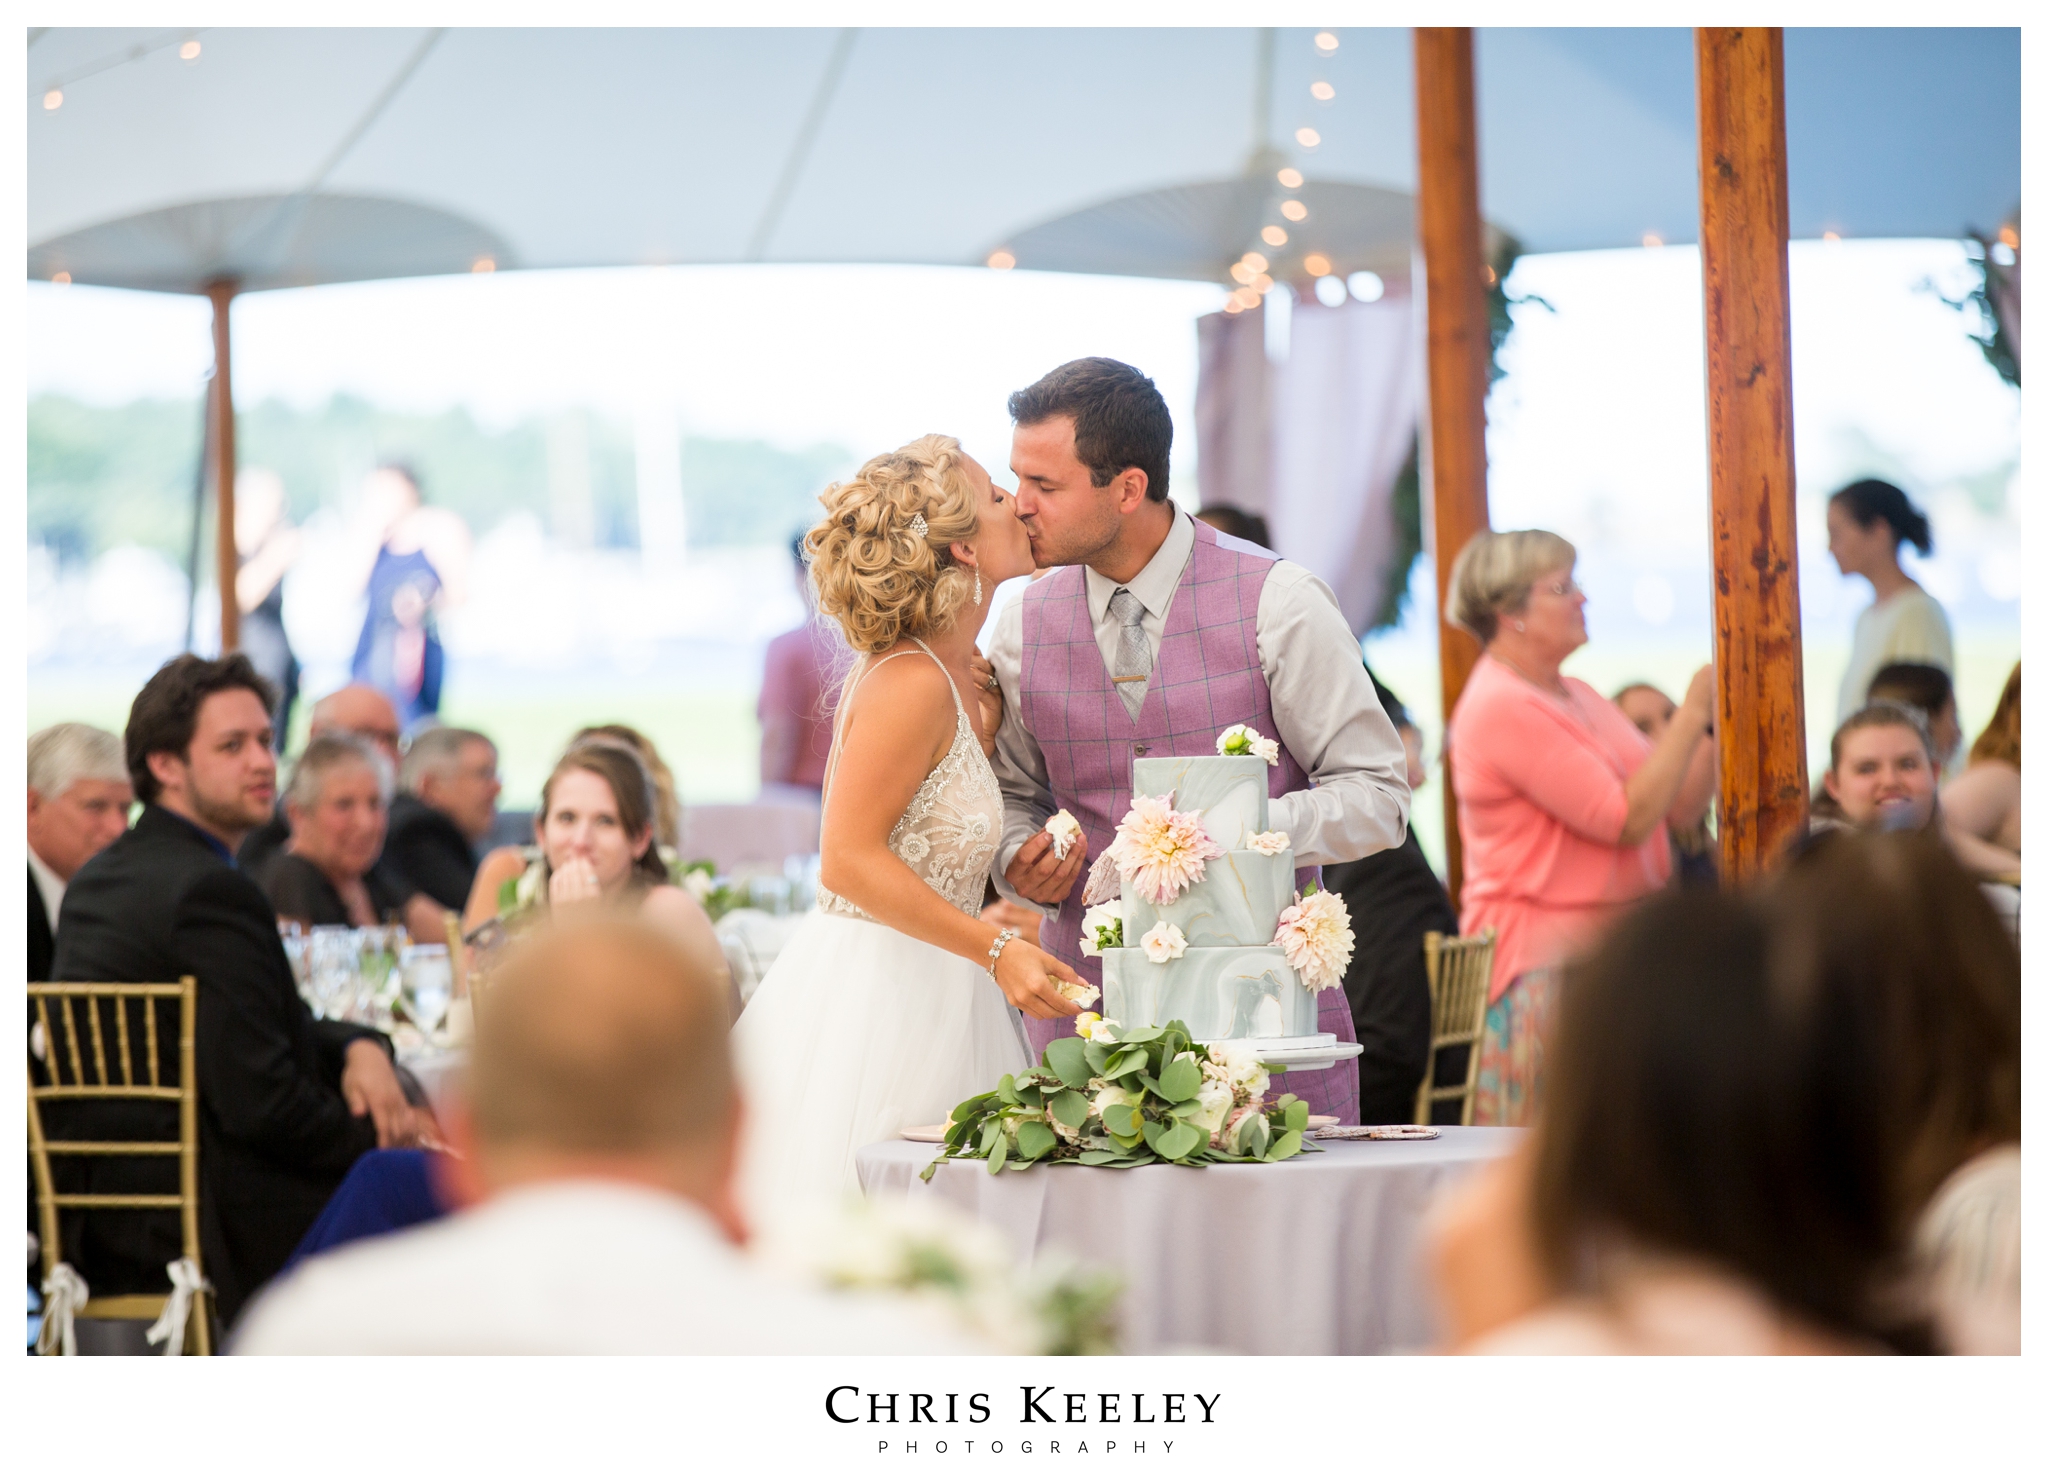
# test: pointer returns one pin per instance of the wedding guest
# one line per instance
(337, 803)
(1984, 802)
(1561, 800)
(1880, 771)
(78, 799)
(447, 805)
(595, 831)
(1867, 522)
(1709, 1173)
(268, 545)
(799, 672)
(1235, 521)
(360, 711)
(286, 1103)
(1694, 852)
(1907, 939)
(668, 798)
(418, 566)
(1395, 898)
(1928, 689)
(596, 1164)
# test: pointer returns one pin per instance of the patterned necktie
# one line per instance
(1133, 653)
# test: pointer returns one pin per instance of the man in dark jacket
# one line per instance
(78, 799)
(286, 1103)
(446, 806)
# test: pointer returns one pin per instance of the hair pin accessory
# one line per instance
(917, 525)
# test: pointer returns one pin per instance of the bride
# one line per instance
(895, 1001)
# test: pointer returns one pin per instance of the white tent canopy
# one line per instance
(293, 156)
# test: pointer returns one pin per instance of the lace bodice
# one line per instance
(948, 835)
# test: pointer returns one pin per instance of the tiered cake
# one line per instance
(1220, 968)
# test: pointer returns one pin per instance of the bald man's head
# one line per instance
(361, 711)
(605, 1038)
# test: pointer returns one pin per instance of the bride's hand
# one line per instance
(988, 697)
(1030, 979)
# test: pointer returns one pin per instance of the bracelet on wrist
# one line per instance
(995, 950)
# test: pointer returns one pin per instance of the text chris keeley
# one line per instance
(851, 1405)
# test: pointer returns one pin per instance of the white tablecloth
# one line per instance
(1317, 1255)
(436, 1069)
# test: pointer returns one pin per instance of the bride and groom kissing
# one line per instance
(1151, 634)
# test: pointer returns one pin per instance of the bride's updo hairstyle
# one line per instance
(873, 571)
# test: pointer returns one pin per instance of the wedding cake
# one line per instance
(1204, 925)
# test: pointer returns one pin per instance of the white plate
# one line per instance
(935, 1133)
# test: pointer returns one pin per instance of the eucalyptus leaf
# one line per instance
(1122, 1062)
(1153, 1131)
(1140, 1036)
(1099, 1158)
(1006, 1088)
(926, 1174)
(1180, 1080)
(1097, 1054)
(1069, 1108)
(968, 1109)
(1035, 1139)
(1178, 1142)
(1297, 1116)
(1000, 1155)
(1255, 1135)
(1120, 1120)
(1068, 1058)
(1288, 1144)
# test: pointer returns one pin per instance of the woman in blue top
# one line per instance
(421, 566)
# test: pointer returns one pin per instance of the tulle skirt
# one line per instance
(856, 1033)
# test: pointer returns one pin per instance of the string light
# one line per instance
(1262, 285)
(189, 52)
(1329, 291)
(1651, 239)
(1322, 92)
(61, 279)
(1831, 236)
(1366, 287)
(1256, 261)
(484, 264)
(1308, 138)
(1001, 260)
(1291, 178)
(1294, 210)
(1242, 273)
(1273, 236)
(53, 100)
(1492, 277)
(1315, 264)
(1326, 42)
(2009, 237)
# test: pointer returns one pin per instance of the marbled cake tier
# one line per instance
(1228, 790)
(1237, 903)
(1219, 992)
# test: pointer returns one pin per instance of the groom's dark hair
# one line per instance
(1120, 419)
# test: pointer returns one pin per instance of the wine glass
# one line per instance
(428, 985)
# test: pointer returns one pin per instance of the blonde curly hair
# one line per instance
(872, 571)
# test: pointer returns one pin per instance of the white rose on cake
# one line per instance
(1102, 928)
(1244, 740)
(1064, 829)
(1164, 942)
(1269, 843)
(1315, 932)
(1096, 1028)
(1080, 993)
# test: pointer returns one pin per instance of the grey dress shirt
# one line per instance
(1328, 716)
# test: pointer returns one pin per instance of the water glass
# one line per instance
(428, 984)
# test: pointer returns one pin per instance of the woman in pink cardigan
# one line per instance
(1561, 800)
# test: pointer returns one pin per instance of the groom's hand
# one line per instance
(1042, 876)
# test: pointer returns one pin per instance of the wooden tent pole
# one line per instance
(1761, 715)
(1460, 346)
(226, 558)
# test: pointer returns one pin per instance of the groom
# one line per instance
(1157, 635)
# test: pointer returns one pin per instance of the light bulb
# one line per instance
(1831, 236)
(1326, 42)
(53, 100)
(1329, 291)
(1308, 138)
(1366, 287)
(484, 264)
(1256, 261)
(61, 279)
(1273, 236)
(1001, 260)
(1241, 272)
(1315, 264)
(1262, 284)
(1651, 239)
(189, 52)
(1294, 210)
(1291, 178)
(1322, 92)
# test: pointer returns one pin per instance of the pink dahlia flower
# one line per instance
(1160, 851)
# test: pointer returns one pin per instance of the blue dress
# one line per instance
(412, 685)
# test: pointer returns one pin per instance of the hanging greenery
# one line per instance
(1407, 546)
(1993, 302)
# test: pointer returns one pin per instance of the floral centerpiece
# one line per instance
(700, 878)
(963, 1270)
(1108, 1098)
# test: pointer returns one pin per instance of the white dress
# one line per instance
(859, 1031)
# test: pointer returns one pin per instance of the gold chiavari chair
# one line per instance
(1459, 968)
(76, 1067)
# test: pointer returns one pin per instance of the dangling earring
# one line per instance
(1521, 627)
(977, 586)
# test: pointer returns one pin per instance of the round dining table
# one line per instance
(1317, 1255)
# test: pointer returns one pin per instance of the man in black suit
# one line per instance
(78, 800)
(286, 1103)
(447, 805)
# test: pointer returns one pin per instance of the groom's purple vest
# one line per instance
(1205, 679)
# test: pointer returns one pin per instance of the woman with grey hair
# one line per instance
(337, 803)
(1561, 800)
